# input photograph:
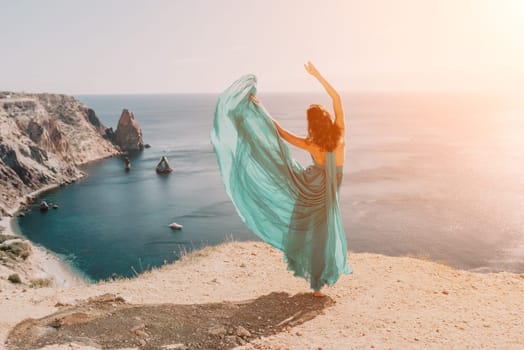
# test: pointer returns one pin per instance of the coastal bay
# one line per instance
(410, 188)
(238, 271)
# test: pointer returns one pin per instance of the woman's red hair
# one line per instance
(321, 130)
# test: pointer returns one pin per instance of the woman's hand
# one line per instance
(337, 102)
(311, 69)
(254, 99)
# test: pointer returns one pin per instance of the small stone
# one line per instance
(231, 338)
(142, 342)
(242, 332)
(242, 265)
(178, 346)
(445, 292)
(218, 331)
(138, 330)
(56, 323)
(141, 333)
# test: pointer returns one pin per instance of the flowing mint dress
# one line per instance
(296, 210)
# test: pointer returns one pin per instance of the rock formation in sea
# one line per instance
(128, 134)
(163, 166)
(43, 138)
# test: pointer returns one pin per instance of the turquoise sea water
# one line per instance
(439, 176)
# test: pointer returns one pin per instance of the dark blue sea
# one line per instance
(437, 176)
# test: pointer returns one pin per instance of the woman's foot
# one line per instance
(318, 294)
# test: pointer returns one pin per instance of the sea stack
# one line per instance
(163, 166)
(44, 206)
(128, 134)
(128, 163)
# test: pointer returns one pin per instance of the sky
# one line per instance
(155, 46)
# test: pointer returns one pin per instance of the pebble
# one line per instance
(139, 330)
(178, 346)
(141, 333)
(242, 332)
(219, 331)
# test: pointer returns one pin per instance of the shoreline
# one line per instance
(44, 262)
(41, 263)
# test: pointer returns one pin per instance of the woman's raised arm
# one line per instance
(335, 97)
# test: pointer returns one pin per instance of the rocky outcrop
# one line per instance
(128, 134)
(43, 138)
(163, 166)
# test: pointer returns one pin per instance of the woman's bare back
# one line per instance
(319, 154)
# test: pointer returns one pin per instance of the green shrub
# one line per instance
(14, 278)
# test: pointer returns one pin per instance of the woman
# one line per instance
(294, 209)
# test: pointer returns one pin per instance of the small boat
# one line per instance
(175, 226)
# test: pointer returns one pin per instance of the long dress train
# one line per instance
(296, 210)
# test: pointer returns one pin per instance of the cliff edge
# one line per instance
(43, 138)
(242, 294)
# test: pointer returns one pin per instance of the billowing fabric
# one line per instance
(296, 210)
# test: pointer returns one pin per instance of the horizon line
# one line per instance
(352, 91)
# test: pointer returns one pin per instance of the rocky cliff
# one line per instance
(43, 138)
(128, 134)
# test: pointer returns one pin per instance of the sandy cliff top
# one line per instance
(399, 303)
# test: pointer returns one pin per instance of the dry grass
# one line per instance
(17, 249)
(40, 283)
(187, 257)
(4, 238)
